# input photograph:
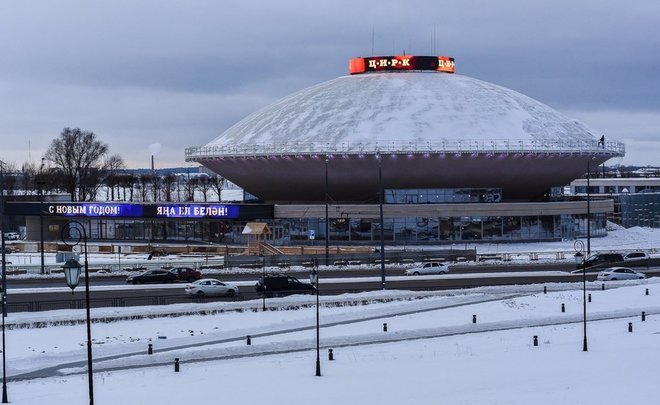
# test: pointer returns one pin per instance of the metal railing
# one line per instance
(501, 146)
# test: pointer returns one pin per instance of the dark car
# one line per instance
(602, 259)
(186, 274)
(272, 286)
(152, 276)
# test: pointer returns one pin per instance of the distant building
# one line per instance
(458, 159)
(636, 199)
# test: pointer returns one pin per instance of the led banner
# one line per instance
(401, 62)
(197, 211)
(139, 210)
(93, 210)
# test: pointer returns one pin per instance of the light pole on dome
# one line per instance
(72, 270)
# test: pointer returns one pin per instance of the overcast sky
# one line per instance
(178, 73)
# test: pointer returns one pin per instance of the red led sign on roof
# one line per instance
(405, 62)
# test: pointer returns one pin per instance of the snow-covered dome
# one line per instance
(403, 107)
(423, 130)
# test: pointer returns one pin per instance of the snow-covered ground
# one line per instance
(432, 351)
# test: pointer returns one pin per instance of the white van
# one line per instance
(12, 236)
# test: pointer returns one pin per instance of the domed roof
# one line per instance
(403, 107)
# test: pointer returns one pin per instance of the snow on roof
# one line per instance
(256, 228)
(403, 107)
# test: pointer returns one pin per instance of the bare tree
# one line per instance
(77, 153)
(218, 184)
(112, 167)
(11, 180)
(127, 181)
(190, 186)
(169, 182)
(28, 178)
(144, 181)
(204, 184)
(156, 185)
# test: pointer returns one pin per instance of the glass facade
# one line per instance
(641, 209)
(404, 230)
(344, 229)
(443, 196)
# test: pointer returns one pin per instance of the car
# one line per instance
(428, 268)
(602, 258)
(270, 286)
(211, 286)
(12, 236)
(186, 274)
(152, 276)
(633, 256)
(619, 273)
(9, 249)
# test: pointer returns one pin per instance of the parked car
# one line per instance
(10, 249)
(186, 274)
(152, 276)
(602, 258)
(282, 285)
(632, 256)
(12, 236)
(211, 286)
(620, 273)
(428, 268)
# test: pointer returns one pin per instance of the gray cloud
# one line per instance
(179, 73)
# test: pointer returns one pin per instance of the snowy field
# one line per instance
(432, 352)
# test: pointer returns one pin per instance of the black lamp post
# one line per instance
(579, 260)
(327, 222)
(314, 279)
(72, 270)
(41, 184)
(589, 207)
(4, 280)
(262, 261)
(382, 222)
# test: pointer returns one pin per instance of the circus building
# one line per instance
(456, 158)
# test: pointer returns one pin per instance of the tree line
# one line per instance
(78, 163)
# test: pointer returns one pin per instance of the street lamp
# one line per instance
(589, 206)
(262, 262)
(382, 222)
(72, 270)
(4, 280)
(327, 222)
(579, 260)
(41, 184)
(314, 279)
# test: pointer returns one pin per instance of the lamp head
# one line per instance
(72, 270)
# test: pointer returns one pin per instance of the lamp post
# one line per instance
(327, 223)
(579, 260)
(72, 270)
(41, 184)
(262, 261)
(382, 222)
(589, 207)
(4, 280)
(314, 279)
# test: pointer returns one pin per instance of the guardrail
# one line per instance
(393, 147)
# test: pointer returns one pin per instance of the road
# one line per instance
(40, 295)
